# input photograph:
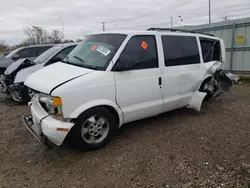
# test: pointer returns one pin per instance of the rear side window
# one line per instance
(180, 50)
(27, 52)
(210, 50)
(41, 49)
(141, 52)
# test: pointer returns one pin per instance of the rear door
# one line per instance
(138, 90)
(182, 70)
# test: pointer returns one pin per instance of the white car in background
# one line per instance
(118, 77)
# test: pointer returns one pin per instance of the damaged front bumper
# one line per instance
(42, 125)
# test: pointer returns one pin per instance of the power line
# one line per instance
(189, 17)
(149, 14)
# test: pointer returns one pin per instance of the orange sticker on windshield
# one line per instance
(144, 45)
(93, 48)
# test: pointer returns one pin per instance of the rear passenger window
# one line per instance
(141, 52)
(180, 50)
(210, 50)
(27, 52)
(40, 50)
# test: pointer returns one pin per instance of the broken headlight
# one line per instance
(53, 105)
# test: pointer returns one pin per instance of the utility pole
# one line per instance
(172, 20)
(63, 28)
(209, 11)
(225, 18)
(103, 26)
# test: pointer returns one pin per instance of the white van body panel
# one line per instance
(83, 92)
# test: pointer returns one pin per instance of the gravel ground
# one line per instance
(182, 148)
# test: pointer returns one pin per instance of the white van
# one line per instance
(114, 78)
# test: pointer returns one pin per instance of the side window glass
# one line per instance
(61, 55)
(23, 53)
(180, 50)
(40, 50)
(28, 52)
(210, 50)
(141, 53)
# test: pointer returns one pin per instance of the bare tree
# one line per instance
(67, 41)
(79, 40)
(3, 46)
(56, 37)
(38, 35)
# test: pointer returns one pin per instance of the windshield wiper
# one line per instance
(85, 65)
(79, 58)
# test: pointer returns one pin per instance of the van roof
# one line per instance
(148, 32)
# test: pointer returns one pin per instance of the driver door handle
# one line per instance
(160, 81)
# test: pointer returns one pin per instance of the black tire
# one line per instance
(23, 93)
(26, 96)
(75, 139)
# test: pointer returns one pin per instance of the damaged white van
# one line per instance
(114, 78)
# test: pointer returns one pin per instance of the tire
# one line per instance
(23, 93)
(26, 96)
(78, 136)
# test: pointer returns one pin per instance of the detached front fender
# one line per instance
(96, 103)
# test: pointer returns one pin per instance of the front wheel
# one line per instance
(93, 129)
(21, 94)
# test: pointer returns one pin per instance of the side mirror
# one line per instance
(15, 57)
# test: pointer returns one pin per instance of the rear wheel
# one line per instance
(93, 129)
(209, 86)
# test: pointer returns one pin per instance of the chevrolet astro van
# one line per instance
(113, 78)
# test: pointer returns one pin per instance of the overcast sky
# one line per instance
(81, 17)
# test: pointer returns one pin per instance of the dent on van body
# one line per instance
(224, 83)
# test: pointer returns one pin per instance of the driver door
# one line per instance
(139, 88)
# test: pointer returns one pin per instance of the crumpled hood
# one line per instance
(5, 62)
(23, 74)
(14, 66)
(46, 79)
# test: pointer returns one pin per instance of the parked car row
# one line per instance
(30, 52)
(110, 79)
(12, 82)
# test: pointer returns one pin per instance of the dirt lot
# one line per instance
(177, 149)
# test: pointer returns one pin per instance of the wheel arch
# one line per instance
(111, 106)
(206, 79)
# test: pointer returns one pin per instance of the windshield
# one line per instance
(12, 53)
(96, 51)
(47, 54)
